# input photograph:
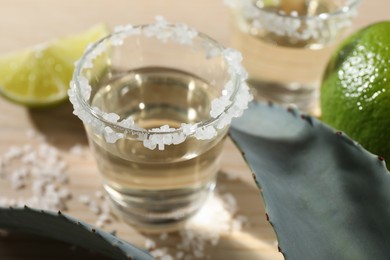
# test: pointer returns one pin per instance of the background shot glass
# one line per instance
(146, 101)
(287, 43)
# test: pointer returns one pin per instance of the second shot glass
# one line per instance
(286, 44)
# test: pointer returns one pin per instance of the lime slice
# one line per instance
(40, 76)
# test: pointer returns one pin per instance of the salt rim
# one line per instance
(223, 108)
(293, 25)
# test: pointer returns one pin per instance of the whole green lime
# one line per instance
(355, 92)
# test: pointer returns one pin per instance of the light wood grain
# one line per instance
(24, 23)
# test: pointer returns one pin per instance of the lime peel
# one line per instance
(39, 76)
(355, 92)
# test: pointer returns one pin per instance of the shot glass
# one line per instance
(156, 101)
(286, 44)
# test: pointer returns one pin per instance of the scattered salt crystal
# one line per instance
(166, 257)
(38, 186)
(30, 157)
(128, 122)
(236, 225)
(239, 222)
(119, 28)
(99, 207)
(149, 244)
(48, 152)
(230, 202)
(149, 144)
(84, 199)
(212, 52)
(205, 133)
(76, 150)
(219, 105)
(85, 88)
(111, 117)
(61, 166)
(99, 194)
(12, 153)
(64, 193)
(184, 34)
(158, 253)
(17, 183)
(167, 139)
(178, 138)
(111, 136)
(105, 206)
(62, 178)
(217, 217)
(93, 206)
(103, 219)
(187, 128)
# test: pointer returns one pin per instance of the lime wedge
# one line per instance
(40, 75)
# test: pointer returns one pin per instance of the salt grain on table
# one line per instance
(39, 168)
(217, 217)
(42, 169)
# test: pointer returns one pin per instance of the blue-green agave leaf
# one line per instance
(326, 197)
(64, 228)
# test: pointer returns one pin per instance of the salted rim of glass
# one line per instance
(233, 100)
(350, 5)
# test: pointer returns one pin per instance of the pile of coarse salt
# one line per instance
(216, 218)
(38, 167)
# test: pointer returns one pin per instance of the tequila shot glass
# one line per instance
(286, 44)
(156, 101)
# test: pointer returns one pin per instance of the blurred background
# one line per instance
(24, 23)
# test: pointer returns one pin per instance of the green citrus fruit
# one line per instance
(40, 76)
(355, 92)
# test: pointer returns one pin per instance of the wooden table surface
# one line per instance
(24, 23)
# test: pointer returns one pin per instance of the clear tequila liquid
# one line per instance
(285, 49)
(152, 186)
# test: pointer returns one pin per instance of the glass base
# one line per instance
(158, 211)
(302, 96)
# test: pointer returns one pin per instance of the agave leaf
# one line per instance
(326, 197)
(67, 229)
